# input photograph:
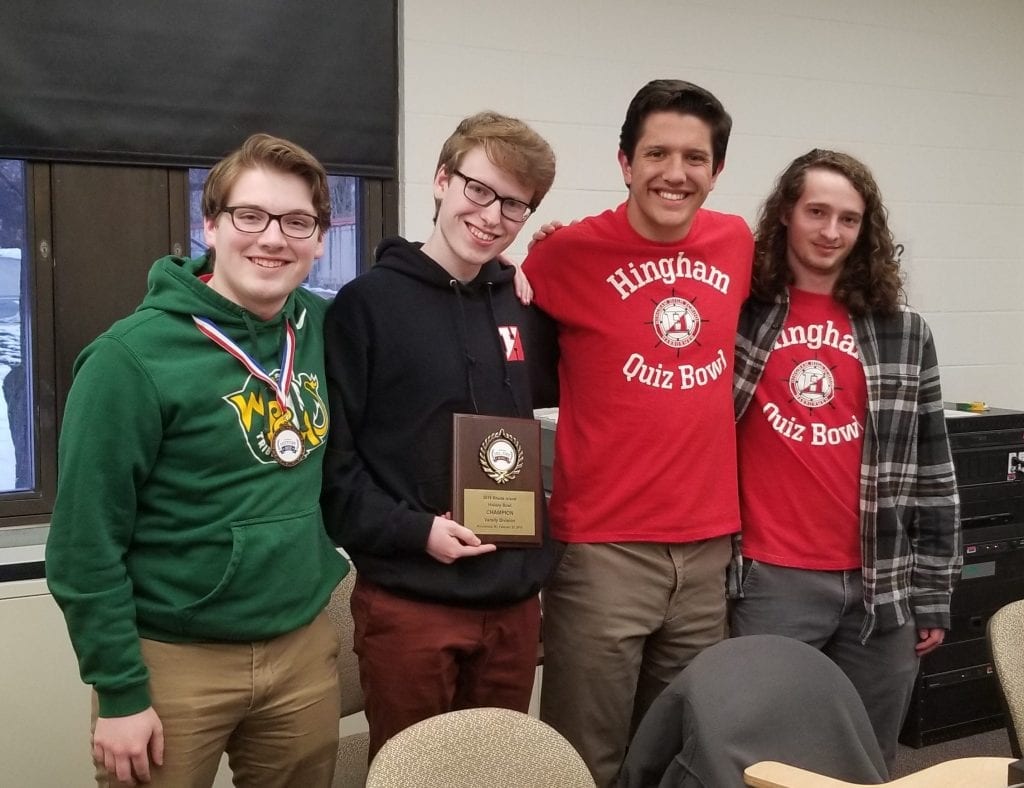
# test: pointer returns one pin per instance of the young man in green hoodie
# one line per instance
(186, 549)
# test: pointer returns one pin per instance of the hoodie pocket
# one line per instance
(278, 569)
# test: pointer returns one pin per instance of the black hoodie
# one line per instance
(407, 347)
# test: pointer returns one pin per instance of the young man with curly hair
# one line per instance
(851, 538)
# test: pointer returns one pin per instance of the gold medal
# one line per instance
(286, 446)
(501, 456)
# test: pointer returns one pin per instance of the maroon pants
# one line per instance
(419, 659)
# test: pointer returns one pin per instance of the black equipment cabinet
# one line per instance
(956, 692)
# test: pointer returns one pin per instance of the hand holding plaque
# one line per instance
(496, 481)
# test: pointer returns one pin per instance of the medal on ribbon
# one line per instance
(283, 436)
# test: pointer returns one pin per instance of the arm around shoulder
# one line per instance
(542, 357)
(547, 268)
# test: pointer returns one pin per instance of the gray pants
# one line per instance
(826, 610)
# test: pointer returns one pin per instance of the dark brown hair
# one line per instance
(272, 153)
(675, 95)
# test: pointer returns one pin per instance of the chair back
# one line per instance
(479, 748)
(353, 749)
(340, 612)
(1006, 649)
(750, 699)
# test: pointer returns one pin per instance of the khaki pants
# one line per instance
(620, 621)
(272, 705)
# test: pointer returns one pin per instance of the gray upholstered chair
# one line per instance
(1006, 648)
(350, 771)
(479, 748)
(751, 699)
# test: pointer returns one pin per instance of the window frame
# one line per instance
(24, 507)
(377, 219)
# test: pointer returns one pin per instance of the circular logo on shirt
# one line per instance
(676, 321)
(501, 456)
(812, 384)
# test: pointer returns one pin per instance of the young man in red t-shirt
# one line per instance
(647, 297)
(851, 537)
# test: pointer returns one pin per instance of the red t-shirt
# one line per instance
(800, 443)
(645, 447)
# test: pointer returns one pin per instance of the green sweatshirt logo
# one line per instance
(259, 413)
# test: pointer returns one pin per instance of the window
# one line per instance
(340, 262)
(17, 467)
(76, 243)
(105, 185)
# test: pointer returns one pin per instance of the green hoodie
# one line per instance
(172, 521)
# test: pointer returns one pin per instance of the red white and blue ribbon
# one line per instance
(280, 387)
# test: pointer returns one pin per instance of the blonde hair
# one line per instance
(510, 145)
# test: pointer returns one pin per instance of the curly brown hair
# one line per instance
(870, 279)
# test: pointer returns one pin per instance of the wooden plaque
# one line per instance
(496, 478)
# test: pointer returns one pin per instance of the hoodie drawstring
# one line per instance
(507, 381)
(470, 361)
(461, 328)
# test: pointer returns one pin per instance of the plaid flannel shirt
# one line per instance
(911, 551)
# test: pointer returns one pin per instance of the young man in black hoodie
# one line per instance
(442, 621)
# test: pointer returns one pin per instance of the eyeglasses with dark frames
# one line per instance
(247, 219)
(481, 194)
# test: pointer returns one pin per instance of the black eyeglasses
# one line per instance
(483, 195)
(256, 220)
